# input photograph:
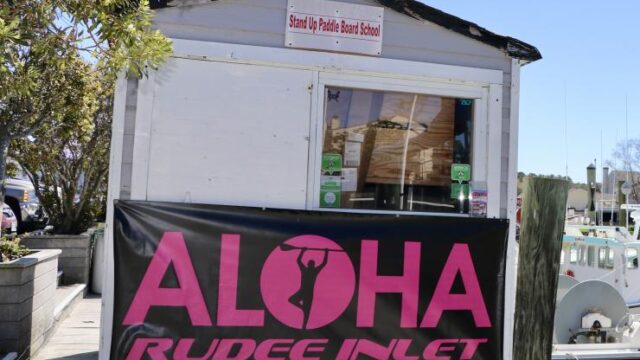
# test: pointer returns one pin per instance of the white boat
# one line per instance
(605, 253)
(598, 287)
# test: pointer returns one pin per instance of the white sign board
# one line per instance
(349, 179)
(334, 26)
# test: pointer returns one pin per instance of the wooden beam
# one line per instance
(543, 217)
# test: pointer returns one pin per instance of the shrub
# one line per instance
(10, 249)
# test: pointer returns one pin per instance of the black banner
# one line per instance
(215, 282)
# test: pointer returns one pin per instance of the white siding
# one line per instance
(203, 149)
(188, 97)
(262, 23)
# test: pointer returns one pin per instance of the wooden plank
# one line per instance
(543, 215)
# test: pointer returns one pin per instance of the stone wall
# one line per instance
(75, 258)
(27, 288)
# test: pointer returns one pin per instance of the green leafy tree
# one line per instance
(58, 62)
(68, 161)
(41, 41)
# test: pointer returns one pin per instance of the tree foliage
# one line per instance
(39, 40)
(68, 161)
(116, 34)
(58, 63)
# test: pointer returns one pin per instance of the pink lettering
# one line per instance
(172, 250)
(264, 350)
(302, 347)
(154, 348)
(247, 346)
(184, 347)
(437, 346)
(400, 351)
(459, 261)
(228, 313)
(346, 349)
(370, 284)
(370, 348)
(471, 346)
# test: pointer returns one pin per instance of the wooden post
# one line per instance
(543, 217)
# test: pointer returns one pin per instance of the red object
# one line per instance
(570, 273)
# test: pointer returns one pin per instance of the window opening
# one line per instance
(387, 150)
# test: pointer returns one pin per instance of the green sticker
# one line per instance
(331, 163)
(455, 190)
(330, 191)
(329, 199)
(460, 172)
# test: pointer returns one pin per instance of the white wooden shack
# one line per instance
(254, 104)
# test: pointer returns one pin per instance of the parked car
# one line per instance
(21, 197)
(9, 222)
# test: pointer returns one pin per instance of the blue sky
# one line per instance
(591, 48)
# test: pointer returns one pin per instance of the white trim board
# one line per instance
(117, 136)
(512, 193)
(333, 62)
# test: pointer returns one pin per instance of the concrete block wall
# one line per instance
(75, 259)
(27, 288)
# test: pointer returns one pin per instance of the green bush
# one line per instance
(10, 249)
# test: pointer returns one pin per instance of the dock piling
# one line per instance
(543, 217)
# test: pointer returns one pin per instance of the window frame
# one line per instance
(481, 135)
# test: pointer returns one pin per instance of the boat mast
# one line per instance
(626, 133)
(566, 141)
(614, 185)
(626, 155)
(602, 189)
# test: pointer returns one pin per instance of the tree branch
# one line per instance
(26, 132)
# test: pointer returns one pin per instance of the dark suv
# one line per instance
(21, 197)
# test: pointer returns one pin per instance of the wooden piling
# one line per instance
(543, 218)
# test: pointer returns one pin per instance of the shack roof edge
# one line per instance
(514, 48)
